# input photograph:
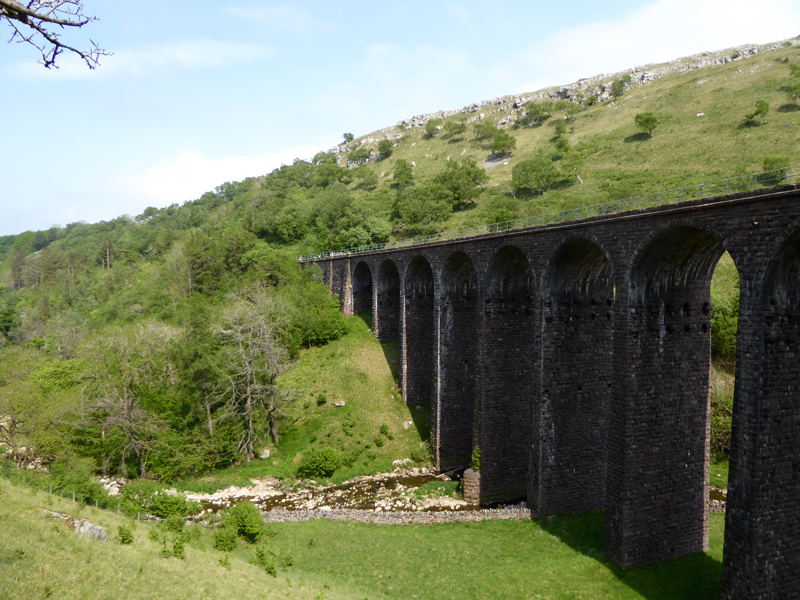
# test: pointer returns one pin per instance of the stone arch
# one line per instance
(570, 419)
(388, 304)
(419, 335)
(660, 410)
(362, 288)
(453, 414)
(509, 337)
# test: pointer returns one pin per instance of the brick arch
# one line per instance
(704, 235)
(362, 287)
(509, 339)
(509, 271)
(453, 413)
(570, 419)
(419, 332)
(388, 302)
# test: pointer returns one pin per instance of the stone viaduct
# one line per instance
(575, 357)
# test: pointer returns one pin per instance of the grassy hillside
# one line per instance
(167, 284)
(498, 560)
(619, 159)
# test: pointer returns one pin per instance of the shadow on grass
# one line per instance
(696, 576)
(788, 108)
(637, 137)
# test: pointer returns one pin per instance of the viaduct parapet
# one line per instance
(575, 358)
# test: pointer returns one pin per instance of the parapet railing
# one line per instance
(725, 187)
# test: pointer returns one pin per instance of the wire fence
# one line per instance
(716, 189)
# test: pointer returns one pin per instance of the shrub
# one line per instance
(475, 461)
(245, 519)
(225, 539)
(319, 463)
(178, 550)
(422, 453)
(125, 535)
(288, 561)
(263, 558)
(321, 399)
(173, 523)
(225, 562)
(379, 442)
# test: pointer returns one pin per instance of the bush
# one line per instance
(225, 539)
(173, 523)
(178, 550)
(125, 535)
(319, 463)
(263, 558)
(245, 519)
(422, 453)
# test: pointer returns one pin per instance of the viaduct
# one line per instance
(575, 357)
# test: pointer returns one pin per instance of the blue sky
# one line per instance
(198, 93)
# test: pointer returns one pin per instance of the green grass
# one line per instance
(492, 560)
(359, 371)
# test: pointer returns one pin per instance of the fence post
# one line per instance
(702, 191)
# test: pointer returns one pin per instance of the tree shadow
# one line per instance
(788, 108)
(696, 576)
(748, 124)
(642, 136)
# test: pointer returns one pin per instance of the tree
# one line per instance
(484, 129)
(385, 147)
(647, 121)
(762, 108)
(36, 24)
(120, 367)
(569, 109)
(537, 113)
(348, 137)
(462, 180)
(455, 128)
(426, 207)
(503, 143)
(794, 93)
(403, 174)
(359, 155)
(573, 161)
(618, 87)
(534, 173)
(432, 127)
(251, 360)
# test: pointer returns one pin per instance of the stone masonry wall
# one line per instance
(544, 346)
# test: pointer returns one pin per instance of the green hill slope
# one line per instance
(166, 282)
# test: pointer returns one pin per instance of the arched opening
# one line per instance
(762, 532)
(388, 317)
(505, 414)
(656, 502)
(362, 289)
(571, 417)
(418, 346)
(454, 412)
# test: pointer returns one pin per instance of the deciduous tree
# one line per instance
(251, 360)
(503, 143)
(534, 173)
(647, 121)
(38, 23)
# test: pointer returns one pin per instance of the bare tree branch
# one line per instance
(32, 24)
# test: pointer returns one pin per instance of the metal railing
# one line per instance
(725, 187)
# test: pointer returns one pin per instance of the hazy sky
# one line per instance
(199, 93)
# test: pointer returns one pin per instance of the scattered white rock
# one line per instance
(339, 404)
(265, 453)
(701, 114)
(406, 424)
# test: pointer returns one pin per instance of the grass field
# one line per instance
(40, 558)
